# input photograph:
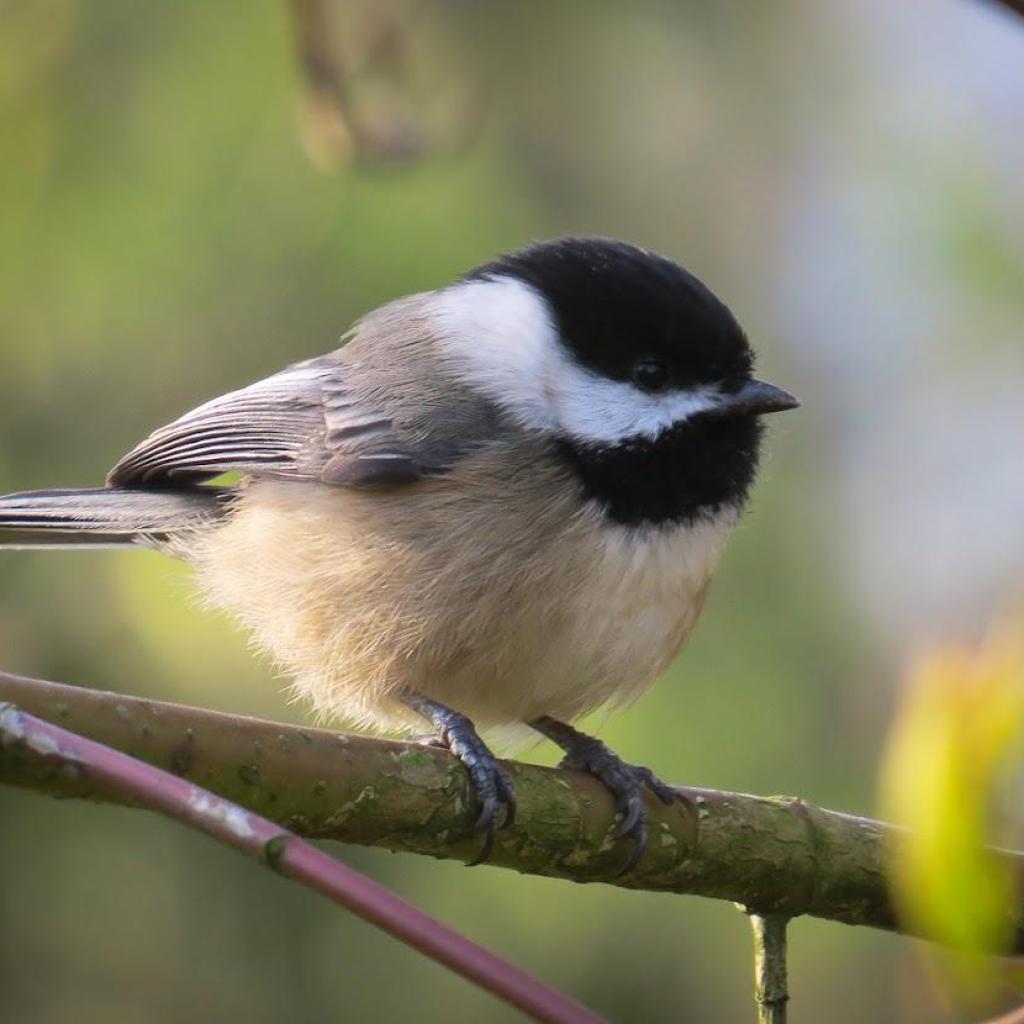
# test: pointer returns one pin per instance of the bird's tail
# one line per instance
(106, 517)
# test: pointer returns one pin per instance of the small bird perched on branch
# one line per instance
(498, 503)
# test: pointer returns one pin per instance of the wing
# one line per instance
(306, 423)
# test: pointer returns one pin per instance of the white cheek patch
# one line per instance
(592, 408)
(500, 338)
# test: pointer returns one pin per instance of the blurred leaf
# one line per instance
(953, 745)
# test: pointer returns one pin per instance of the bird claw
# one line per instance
(488, 777)
(626, 782)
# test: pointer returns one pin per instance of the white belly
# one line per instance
(504, 619)
(626, 624)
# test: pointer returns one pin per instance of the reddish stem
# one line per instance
(290, 856)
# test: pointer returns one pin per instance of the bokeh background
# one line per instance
(176, 220)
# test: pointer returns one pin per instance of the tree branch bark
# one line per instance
(772, 855)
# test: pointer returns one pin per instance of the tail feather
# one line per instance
(105, 517)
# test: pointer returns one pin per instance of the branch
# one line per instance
(770, 986)
(55, 749)
(772, 855)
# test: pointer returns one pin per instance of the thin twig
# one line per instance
(770, 987)
(149, 787)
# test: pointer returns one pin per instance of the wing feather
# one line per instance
(305, 423)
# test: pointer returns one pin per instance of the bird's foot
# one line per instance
(623, 780)
(489, 778)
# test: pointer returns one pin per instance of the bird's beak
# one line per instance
(755, 398)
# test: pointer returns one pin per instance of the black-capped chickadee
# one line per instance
(498, 503)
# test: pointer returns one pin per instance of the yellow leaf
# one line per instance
(950, 749)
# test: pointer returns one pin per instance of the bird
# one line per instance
(498, 504)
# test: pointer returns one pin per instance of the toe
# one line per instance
(662, 790)
(486, 849)
(491, 785)
(494, 788)
(639, 837)
(631, 811)
(488, 811)
(486, 788)
(506, 794)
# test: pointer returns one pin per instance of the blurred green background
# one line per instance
(174, 223)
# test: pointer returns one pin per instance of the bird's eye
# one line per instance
(650, 375)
